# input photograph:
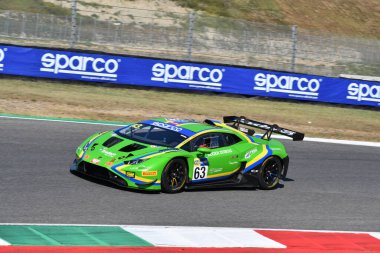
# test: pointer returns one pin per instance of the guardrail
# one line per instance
(119, 69)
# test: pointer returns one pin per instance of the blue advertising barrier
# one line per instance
(49, 63)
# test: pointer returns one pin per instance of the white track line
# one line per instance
(63, 121)
(321, 140)
(333, 141)
(60, 224)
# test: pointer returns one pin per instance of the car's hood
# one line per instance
(110, 148)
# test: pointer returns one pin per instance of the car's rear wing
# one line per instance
(237, 121)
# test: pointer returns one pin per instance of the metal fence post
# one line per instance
(53, 27)
(94, 30)
(36, 27)
(6, 23)
(79, 30)
(190, 35)
(294, 47)
(73, 23)
(22, 30)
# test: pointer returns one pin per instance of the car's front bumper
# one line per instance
(102, 173)
(97, 172)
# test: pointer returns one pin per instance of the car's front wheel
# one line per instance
(270, 173)
(174, 176)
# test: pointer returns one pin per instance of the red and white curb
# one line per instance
(177, 239)
(203, 237)
(257, 240)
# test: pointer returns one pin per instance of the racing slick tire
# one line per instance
(270, 173)
(174, 176)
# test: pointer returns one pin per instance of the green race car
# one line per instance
(172, 154)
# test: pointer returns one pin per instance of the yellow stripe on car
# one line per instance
(144, 179)
(223, 174)
(263, 153)
(96, 136)
(194, 136)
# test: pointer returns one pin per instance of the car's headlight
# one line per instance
(134, 162)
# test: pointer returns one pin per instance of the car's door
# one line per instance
(220, 160)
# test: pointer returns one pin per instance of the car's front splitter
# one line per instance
(102, 173)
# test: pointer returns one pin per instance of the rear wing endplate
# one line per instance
(269, 129)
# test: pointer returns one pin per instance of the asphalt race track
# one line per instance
(330, 187)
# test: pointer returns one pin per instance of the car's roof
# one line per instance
(184, 126)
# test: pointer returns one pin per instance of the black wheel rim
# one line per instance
(271, 173)
(175, 175)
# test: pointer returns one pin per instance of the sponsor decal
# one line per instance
(86, 156)
(107, 153)
(249, 153)
(95, 161)
(110, 163)
(149, 173)
(167, 126)
(196, 77)
(130, 174)
(86, 66)
(221, 152)
(216, 170)
(179, 121)
(292, 85)
(363, 92)
(2, 57)
(200, 170)
(137, 126)
(266, 127)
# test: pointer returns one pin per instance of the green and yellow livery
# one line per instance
(170, 155)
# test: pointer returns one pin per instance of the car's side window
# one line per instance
(187, 146)
(210, 140)
(231, 139)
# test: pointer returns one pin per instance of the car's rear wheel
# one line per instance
(174, 176)
(270, 173)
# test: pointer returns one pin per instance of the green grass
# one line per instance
(350, 17)
(96, 102)
(94, 4)
(363, 69)
(238, 9)
(36, 6)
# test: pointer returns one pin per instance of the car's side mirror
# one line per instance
(204, 150)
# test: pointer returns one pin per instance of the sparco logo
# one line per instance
(287, 84)
(2, 56)
(194, 76)
(363, 92)
(79, 65)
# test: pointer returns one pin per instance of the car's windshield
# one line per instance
(151, 135)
